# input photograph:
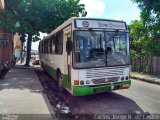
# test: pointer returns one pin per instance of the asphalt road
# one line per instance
(140, 98)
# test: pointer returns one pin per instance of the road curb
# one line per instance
(23, 67)
(146, 80)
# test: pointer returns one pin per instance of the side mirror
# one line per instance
(69, 45)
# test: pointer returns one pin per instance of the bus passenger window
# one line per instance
(59, 43)
(53, 44)
(42, 47)
(50, 45)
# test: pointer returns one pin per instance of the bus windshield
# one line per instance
(99, 49)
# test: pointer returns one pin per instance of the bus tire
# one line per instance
(59, 78)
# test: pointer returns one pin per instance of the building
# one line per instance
(6, 48)
(1, 4)
(16, 39)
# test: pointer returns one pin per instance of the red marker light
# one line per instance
(76, 82)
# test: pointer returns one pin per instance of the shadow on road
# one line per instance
(102, 103)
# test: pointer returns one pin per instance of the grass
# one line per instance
(135, 73)
(140, 74)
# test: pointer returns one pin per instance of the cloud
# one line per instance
(94, 8)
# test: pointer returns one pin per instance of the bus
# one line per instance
(88, 55)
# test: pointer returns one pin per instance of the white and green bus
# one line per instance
(88, 55)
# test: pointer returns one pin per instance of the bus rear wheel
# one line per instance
(59, 79)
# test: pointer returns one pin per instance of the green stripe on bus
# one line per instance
(86, 90)
(65, 81)
(51, 71)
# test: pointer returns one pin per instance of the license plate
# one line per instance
(101, 89)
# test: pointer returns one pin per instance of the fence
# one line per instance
(147, 64)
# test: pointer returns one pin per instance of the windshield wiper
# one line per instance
(93, 34)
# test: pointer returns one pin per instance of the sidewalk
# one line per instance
(144, 77)
(22, 65)
(22, 93)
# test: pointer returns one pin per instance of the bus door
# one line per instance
(67, 59)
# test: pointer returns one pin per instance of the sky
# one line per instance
(124, 10)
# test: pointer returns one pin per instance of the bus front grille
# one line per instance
(105, 80)
(100, 73)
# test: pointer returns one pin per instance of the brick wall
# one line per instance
(6, 46)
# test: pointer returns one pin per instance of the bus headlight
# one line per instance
(122, 78)
(127, 77)
(87, 82)
(81, 82)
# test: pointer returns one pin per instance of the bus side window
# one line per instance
(50, 45)
(53, 44)
(39, 48)
(45, 46)
(59, 43)
(42, 47)
(77, 49)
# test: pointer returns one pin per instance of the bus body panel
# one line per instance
(87, 90)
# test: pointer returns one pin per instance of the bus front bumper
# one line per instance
(86, 90)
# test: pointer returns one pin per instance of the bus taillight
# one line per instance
(76, 82)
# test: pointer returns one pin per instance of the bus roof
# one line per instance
(78, 23)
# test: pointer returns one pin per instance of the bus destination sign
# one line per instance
(100, 24)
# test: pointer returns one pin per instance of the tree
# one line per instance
(150, 18)
(136, 38)
(141, 42)
(36, 16)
